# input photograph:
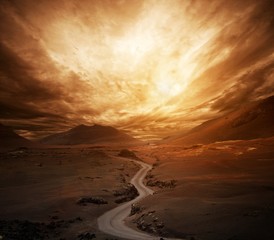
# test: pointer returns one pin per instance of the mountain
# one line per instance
(83, 134)
(256, 120)
(9, 139)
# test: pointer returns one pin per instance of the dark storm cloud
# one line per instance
(24, 97)
(17, 80)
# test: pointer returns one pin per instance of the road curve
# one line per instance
(112, 222)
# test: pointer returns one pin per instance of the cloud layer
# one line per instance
(150, 67)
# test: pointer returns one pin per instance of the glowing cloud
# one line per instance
(149, 67)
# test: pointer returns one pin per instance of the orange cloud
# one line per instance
(151, 67)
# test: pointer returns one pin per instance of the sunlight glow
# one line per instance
(142, 66)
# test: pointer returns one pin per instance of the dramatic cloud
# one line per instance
(149, 67)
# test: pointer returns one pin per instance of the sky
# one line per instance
(152, 68)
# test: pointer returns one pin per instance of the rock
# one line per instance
(54, 217)
(96, 200)
(127, 193)
(86, 236)
(160, 225)
(135, 209)
(77, 219)
(161, 184)
(127, 154)
(150, 224)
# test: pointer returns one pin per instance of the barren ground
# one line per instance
(223, 190)
(44, 185)
(217, 191)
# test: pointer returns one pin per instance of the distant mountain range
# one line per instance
(9, 139)
(255, 120)
(83, 134)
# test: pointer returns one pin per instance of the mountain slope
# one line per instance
(83, 134)
(9, 139)
(253, 121)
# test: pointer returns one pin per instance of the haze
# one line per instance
(151, 68)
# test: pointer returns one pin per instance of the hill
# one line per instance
(9, 139)
(250, 122)
(83, 134)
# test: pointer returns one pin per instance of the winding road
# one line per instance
(112, 222)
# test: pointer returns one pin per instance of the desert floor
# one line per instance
(222, 191)
(216, 191)
(44, 185)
